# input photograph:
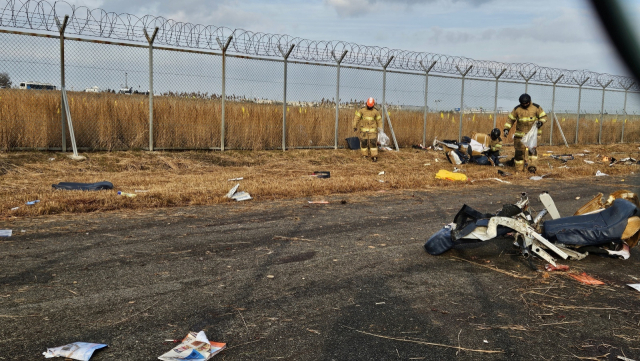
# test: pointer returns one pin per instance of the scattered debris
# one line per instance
(318, 202)
(196, 346)
(235, 179)
(495, 179)
(564, 157)
(427, 164)
(538, 177)
(503, 173)
(557, 267)
(596, 228)
(381, 181)
(130, 195)
(5, 232)
(31, 203)
(457, 170)
(589, 161)
(83, 186)
(76, 351)
(586, 279)
(52, 159)
(321, 174)
(239, 196)
(232, 191)
(271, 276)
(635, 286)
(445, 174)
(600, 174)
(15, 208)
(141, 191)
(381, 173)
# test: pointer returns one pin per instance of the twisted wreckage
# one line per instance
(610, 227)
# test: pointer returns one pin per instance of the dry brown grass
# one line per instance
(31, 119)
(200, 177)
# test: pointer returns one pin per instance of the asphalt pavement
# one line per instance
(289, 280)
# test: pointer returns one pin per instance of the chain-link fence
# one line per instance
(125, 94)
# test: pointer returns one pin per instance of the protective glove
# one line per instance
(506, 133)
(539, 124)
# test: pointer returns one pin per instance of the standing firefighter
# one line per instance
(366, 122)
(525, 115)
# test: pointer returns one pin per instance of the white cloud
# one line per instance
(352, 8)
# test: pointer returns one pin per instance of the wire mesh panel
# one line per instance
(611, 126)
(186, 108)
(405, 102)
(356, 85)
(254, 104)
(444, 99)
(590, 106)
(105, 86)
(311, 112)
(566, 107)
(477, 116)
(29, 117)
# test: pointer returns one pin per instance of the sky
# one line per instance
(555, 33)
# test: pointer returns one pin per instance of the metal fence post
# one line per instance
(626, 91)
(338, 61)
(463, 74)
(63, 116)
(553, 106)
(224, 76)
(602, 109)
(495, 99)
(526, 80)
(150, 41)
(426, 104)
(384, 83)
(579, 99)
(284, 97)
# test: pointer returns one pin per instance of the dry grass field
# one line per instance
(104, 121)
(201, 177)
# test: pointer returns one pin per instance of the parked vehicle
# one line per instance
(37, 86)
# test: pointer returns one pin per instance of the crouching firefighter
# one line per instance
(366, 123)
(525, 116)
(492, 143)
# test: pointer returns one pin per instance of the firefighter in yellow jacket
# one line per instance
(525, 116)
(366, 122)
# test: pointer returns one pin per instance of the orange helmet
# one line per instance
(371, 102)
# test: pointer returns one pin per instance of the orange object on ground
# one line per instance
(561, 267)
(586, 279)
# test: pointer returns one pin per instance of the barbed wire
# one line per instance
(40, 15)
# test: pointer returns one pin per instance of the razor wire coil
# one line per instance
(40, 15)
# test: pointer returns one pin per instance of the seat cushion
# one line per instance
(592, 229)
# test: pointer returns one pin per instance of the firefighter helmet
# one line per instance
(524, 99)
(495, 134)
(371, 102)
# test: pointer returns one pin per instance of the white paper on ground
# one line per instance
(635, 286)
(5, 232)
(233, 191)
(193, 347)
(76, 351)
